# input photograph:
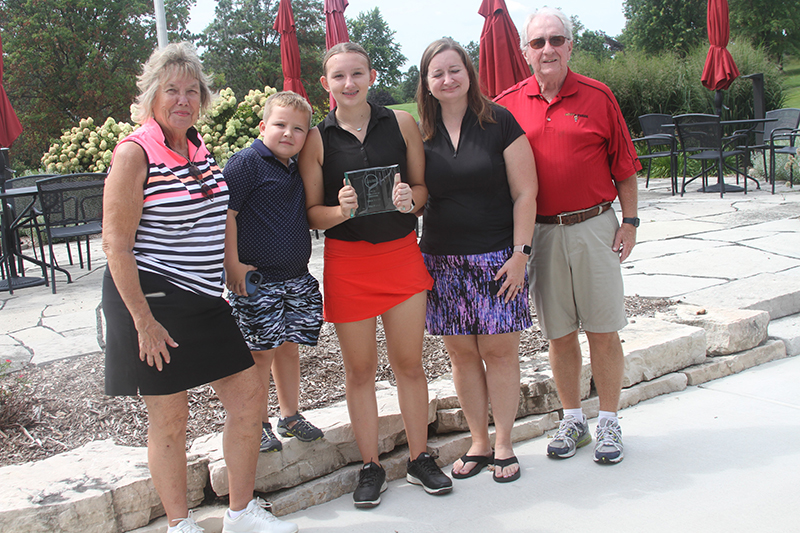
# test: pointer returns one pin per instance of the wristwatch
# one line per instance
(633, 221)
(523, 249)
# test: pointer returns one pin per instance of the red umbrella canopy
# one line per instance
(290, 50)
(10, 128)
(720, 69)
(501, 62)
(335, 25)
(335, 28)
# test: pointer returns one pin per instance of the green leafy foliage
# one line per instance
(242, 51)
(372, 32)
(662, 83)
(657, 26)
(775, 25)
(66, 59)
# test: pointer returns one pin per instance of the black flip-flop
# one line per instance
(499, 464)
(481, 461)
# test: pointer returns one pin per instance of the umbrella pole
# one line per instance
(718, 103)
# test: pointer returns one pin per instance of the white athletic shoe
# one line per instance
(256, 519)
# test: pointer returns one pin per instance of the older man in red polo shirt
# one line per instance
(584, 160)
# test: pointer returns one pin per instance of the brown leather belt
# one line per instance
(574, 217)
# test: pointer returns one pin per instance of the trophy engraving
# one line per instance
(373, 189)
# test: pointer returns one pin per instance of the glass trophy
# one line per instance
(373, 189)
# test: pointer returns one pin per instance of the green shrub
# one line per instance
(668, 84)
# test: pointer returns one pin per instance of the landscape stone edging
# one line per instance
(129, 501)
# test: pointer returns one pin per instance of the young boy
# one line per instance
(267, 230)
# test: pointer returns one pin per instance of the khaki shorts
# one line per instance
(576, 279)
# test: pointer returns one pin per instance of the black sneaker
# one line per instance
(371, 482)
(302, 429)
(269, 442)
(424, 471)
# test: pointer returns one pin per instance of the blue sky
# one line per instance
(419, 22)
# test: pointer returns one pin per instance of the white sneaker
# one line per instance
(256, 519)
(187, 525)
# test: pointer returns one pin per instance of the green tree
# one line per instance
(66, 60)
(407, 91)
(768, 23)
(242, 51)
(656, 26)
(373, 33)
(473, 50)
(593, 43)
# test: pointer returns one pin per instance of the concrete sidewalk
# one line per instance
(720, 457)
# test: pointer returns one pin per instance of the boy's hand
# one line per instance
(348, 200)
(401, 195)
(234, 277)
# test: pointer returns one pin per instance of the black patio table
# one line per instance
(751, 124)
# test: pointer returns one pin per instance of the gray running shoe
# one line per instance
(608, 450)
(302, 429)
(269, 442)
(572, 434)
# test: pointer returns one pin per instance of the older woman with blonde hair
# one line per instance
(169, 329)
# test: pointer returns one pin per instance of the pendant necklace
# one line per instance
(350, 126)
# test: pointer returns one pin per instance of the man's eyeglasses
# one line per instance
(208, 192)
(555, 42)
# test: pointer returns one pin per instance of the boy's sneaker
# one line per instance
(371, 482)
(302, 429)
(572, 434)
(424, 471)
(187, 525)
(256, 519)
(608, 449)
(269, 442)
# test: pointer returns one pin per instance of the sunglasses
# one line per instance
(555, 42)
(208, 192)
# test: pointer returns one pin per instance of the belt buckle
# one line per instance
(558, 218)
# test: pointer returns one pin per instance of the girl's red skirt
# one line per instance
(363, 280)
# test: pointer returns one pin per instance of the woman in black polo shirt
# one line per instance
(477, 232)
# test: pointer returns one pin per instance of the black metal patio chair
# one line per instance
(660, 141)
(702, 139)
(72, 207)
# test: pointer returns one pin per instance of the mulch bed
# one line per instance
(59, 406)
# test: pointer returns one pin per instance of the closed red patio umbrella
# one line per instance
(335, 27)
(501, 63)
(290, 50)
(720, 70)
(10, 128)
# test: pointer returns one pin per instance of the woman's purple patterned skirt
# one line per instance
(464, 298)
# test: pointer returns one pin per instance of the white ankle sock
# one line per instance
(172, 529)
(235, 514)
(607, 414)
(577, 413)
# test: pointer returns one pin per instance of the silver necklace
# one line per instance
(350, 126)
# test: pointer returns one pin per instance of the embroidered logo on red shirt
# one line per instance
(576, 115)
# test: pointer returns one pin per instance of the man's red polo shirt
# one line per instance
(580, 141)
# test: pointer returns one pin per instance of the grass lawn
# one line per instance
(410, 107)
(791, 70)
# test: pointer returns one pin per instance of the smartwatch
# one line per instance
(633, 221)
(523, 248)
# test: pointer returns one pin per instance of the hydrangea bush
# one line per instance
(228, 127)
(86, 147)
